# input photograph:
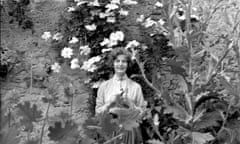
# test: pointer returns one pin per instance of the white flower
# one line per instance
(81, 2)
(96, 84)
(115, 1)
(149, 22)
(56, 67)
(111, 19)
(132, 43)
(46, 35)
(75, 64)
(70, 9)
(123, 12)
(94, 3)
(111, 6)
(85, 50)
(89, 65)
(194, 8)
(67, 52)
(87, 81)
(117, 36)
(195, 16)
(161, 22)
(113, 39)
(156, 120)
(57, 36)
(182, 17)
(144, 47)
(112, 43)
(140, 18)
(73, 40)
(91, 27)
(130, 2)
(103, 15)
(106, 50)
(105, 41)
(95, 59)
(134, 54)
(158, 4)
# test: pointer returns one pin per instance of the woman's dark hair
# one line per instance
(121, 51)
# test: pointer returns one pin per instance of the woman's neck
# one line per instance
(120, 76)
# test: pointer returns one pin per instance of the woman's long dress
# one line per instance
(133, 93)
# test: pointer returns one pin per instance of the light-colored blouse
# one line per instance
(111, 87)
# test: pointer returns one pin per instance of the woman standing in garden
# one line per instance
(118, 89)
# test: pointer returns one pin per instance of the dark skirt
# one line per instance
(129, 137)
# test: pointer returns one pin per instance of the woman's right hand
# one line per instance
(117, 97)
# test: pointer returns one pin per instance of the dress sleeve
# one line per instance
(140, 102)
(100, 103)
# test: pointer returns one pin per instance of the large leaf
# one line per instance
(177, 68)
(232, 90)
(127, 117)
(178, 112)
(234, 126)
(208, 120)
(64, 135)
(108, 127)
(9, 136)
(201, 138)
(29, 114)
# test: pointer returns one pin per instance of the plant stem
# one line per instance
(114, 138)
(169, 20)
(31, 74)
(214, 73)
(44, 123)
(71, 106)
(189, 43)
(141, 66)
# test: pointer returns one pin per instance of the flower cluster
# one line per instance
(113, 39)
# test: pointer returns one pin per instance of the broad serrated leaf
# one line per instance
(201, 138)
(29, 114)
(108, 127)
(177, 68)
(234, 126)
(127, 117)
(178, 112)
(230, 88)
(88, 127)
(64, 135)
(9, 136)
(208, 120)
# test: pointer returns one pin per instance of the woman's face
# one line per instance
(120, 64)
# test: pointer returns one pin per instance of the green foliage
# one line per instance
(17, 9)
(67, 134)
(9, 136)
(28, 114)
